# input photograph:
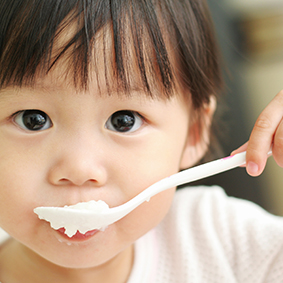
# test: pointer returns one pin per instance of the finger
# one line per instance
(262, 135)
(240, 149)
(277, 150)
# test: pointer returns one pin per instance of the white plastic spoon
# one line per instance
(92, 215)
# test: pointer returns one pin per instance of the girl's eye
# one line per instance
(32, 120)
(124, 121)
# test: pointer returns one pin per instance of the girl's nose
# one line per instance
(78, 166)
(78, 173)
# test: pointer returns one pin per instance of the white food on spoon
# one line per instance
(60, 217)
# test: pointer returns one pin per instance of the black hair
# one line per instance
(29, 30)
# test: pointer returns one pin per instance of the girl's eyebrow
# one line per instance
(45, 87)
(12, 93)
(133, 88)
(34, 86)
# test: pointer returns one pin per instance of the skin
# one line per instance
(78, 159)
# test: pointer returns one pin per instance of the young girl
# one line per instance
(98, 100)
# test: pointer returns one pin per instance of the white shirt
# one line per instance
(208, 237)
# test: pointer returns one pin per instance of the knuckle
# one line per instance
(253, 152)
(263, 123)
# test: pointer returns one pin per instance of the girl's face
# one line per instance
(59, 146)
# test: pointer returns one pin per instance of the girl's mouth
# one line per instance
(78, 236)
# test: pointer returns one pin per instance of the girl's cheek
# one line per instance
(147, 216)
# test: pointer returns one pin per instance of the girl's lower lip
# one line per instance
(78, 236)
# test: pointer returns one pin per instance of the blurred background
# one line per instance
(250, 34)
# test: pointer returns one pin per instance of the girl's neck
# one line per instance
(19, 264)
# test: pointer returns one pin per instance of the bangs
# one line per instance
(140, 39)
(37, 37)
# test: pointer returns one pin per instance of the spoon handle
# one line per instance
(197, 173)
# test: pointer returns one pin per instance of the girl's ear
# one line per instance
(198, 136)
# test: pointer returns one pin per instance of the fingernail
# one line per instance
(252, 168)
